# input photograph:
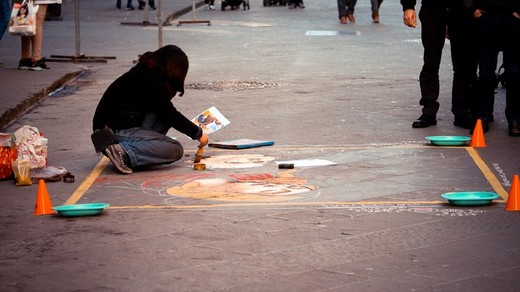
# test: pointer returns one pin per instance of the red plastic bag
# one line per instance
(8, 153)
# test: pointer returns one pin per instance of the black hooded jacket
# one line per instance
(493, 6)
(134, 94)
(508, 6)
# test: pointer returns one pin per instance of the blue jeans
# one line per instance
(498, 32)
(148, 144)
(5, 13)
(346, 6)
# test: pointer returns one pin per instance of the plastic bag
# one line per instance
(8, 153)
(30, 146)
(47, 173)
(23, 18)
(21, 169)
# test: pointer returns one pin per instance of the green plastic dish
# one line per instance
(448, 140)
(470, 198)
(79, 210)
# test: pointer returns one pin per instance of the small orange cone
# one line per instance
(477, 140)
(43, 201)
(513, 201)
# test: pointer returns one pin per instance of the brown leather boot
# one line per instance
(351, 18)
(375, 16)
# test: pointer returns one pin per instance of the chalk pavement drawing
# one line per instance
(249, 187)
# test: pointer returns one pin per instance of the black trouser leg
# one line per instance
(433, 35)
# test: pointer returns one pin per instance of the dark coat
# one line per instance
(443, 4)
(134, 94)
(494, 6)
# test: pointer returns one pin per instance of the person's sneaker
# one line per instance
(292, 6)
(130, 8)
(118, 157)
(25, 64)
(39, 65)
(300, 5)
(212, 7)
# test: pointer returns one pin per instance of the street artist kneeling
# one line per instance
(136, 111)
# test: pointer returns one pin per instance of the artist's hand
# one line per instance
(410, 18)
(516, 14)
(478, 13)
(203, 140)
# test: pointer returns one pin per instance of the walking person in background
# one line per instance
(142, 4)
(5, 13)
(138, 108)
(210, 3)
(296, 4)
(498, 29)
(439, 19)
(129, 5)
(376, 4)
(32, 58)
(346, 11)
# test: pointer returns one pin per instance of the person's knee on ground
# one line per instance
(153, 152)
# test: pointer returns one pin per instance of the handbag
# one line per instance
(23, 19)
(102, 138)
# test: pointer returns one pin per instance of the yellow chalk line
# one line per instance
(87, 183)
(294, 204)
(276, 204)
(491, 178)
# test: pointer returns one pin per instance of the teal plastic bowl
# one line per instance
(470, 198)
(79, 210)
(448, 140)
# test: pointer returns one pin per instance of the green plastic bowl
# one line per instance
(79, 210)
(448, 140)
(470, 198)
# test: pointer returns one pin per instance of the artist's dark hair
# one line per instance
(173, 64)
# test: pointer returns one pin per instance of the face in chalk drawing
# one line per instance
(280, 188)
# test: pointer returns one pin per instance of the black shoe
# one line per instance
(39, 65)
(424, 121)
(25, 64)
(485, 125)
(119, 158)
(514, 128)
(465, 122)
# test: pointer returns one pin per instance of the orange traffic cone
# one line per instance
(477, 140)
(513, 201)
(43, 201)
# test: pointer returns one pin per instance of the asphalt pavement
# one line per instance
(373, 220)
